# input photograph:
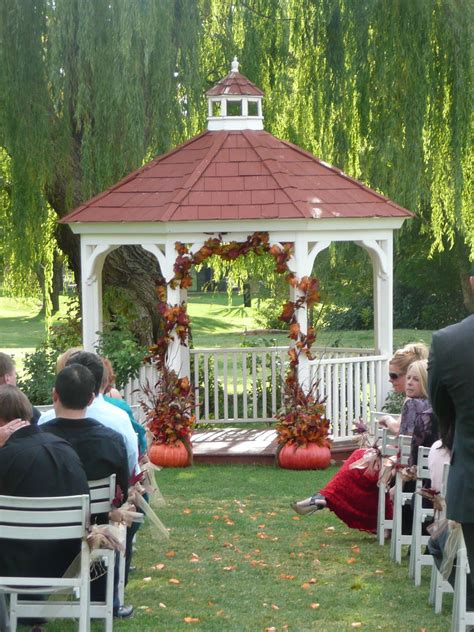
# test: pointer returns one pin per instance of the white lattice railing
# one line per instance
(352, 386)
(238, 385)
(244, 384)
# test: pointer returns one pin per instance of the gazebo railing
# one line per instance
(245, 384)
(352, 387)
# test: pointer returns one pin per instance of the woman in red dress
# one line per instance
(352, 494)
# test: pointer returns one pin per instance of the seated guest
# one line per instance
(8, 376)
(36, 463)
(101, 449)
(102, 411)
(113, 396)
(352, 494)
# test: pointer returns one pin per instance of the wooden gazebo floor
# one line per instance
(249, 446)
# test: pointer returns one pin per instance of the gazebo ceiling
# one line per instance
(235, 173)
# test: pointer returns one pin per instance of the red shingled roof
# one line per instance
(234, 83)
(235, 175)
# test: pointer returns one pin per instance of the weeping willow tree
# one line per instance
(91, 90)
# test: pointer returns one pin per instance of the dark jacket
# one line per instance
(451, 388)
(101, 450)
(35, 463)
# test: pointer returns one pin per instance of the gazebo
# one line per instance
(232, 180)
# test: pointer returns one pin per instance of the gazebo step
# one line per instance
(249, 446)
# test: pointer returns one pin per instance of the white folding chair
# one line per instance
(461, 617)
(438, 585)
(420, 515)
(102, 493)
(388, 447)
(47, 519)
(400, 499)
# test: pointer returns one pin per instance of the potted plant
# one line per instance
(169, 411)
(302, 428)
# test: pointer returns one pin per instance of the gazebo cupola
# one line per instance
(234, 103)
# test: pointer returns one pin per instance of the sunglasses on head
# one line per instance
(394, 376)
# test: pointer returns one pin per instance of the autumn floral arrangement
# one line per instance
(301, 420)
(169, 413)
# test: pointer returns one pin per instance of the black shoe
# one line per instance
(309, 505)
(123, 612)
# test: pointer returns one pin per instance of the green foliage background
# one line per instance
(92, 90)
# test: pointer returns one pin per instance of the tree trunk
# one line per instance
(136, 271)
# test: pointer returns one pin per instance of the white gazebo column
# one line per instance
(177, 355)
(92, 262)
(301, 262)
(383, 310)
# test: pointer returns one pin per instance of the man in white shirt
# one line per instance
(102, 411)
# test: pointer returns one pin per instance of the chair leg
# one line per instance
(4, 618)
(13, 611)
(109, 595)
(458, 621)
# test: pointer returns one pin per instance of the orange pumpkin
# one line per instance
(174, 455)
(305, 457)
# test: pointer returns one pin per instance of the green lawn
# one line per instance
(238, 559)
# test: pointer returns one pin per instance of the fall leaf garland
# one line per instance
(302, 417)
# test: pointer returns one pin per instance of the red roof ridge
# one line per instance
(344, 175)
(279, 178)
(219, 139)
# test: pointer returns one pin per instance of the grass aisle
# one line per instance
(239, 559)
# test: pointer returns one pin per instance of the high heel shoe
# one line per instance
(309, 505)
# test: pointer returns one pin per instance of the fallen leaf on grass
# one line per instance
(316, 562)
(191, 619)
(351, 560)
(170, 554)
(379, 572)
(271, 513)
(147, 579)
(174, 581)
(220, 613)
(216, 517)
(229, 568)
(143, 607)
(261, 526)
(295, 518)
(272, 629)
(158, 567)
(314, 605)
(356, 624)
(285, 576)
(306, 585)
(162, 605)
(211, 536)
(187, 510)
(275, 607)
(311, 581)
(230, 523)
(262, 535)
(217, 558)
(329, 529)
(355, 548)
(228, 545)
(195, 558)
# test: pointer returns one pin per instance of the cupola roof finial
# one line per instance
(235, 65)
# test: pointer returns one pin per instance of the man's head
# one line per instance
(13, 404)
(7, 369)
(92, 362)
(73, 388)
